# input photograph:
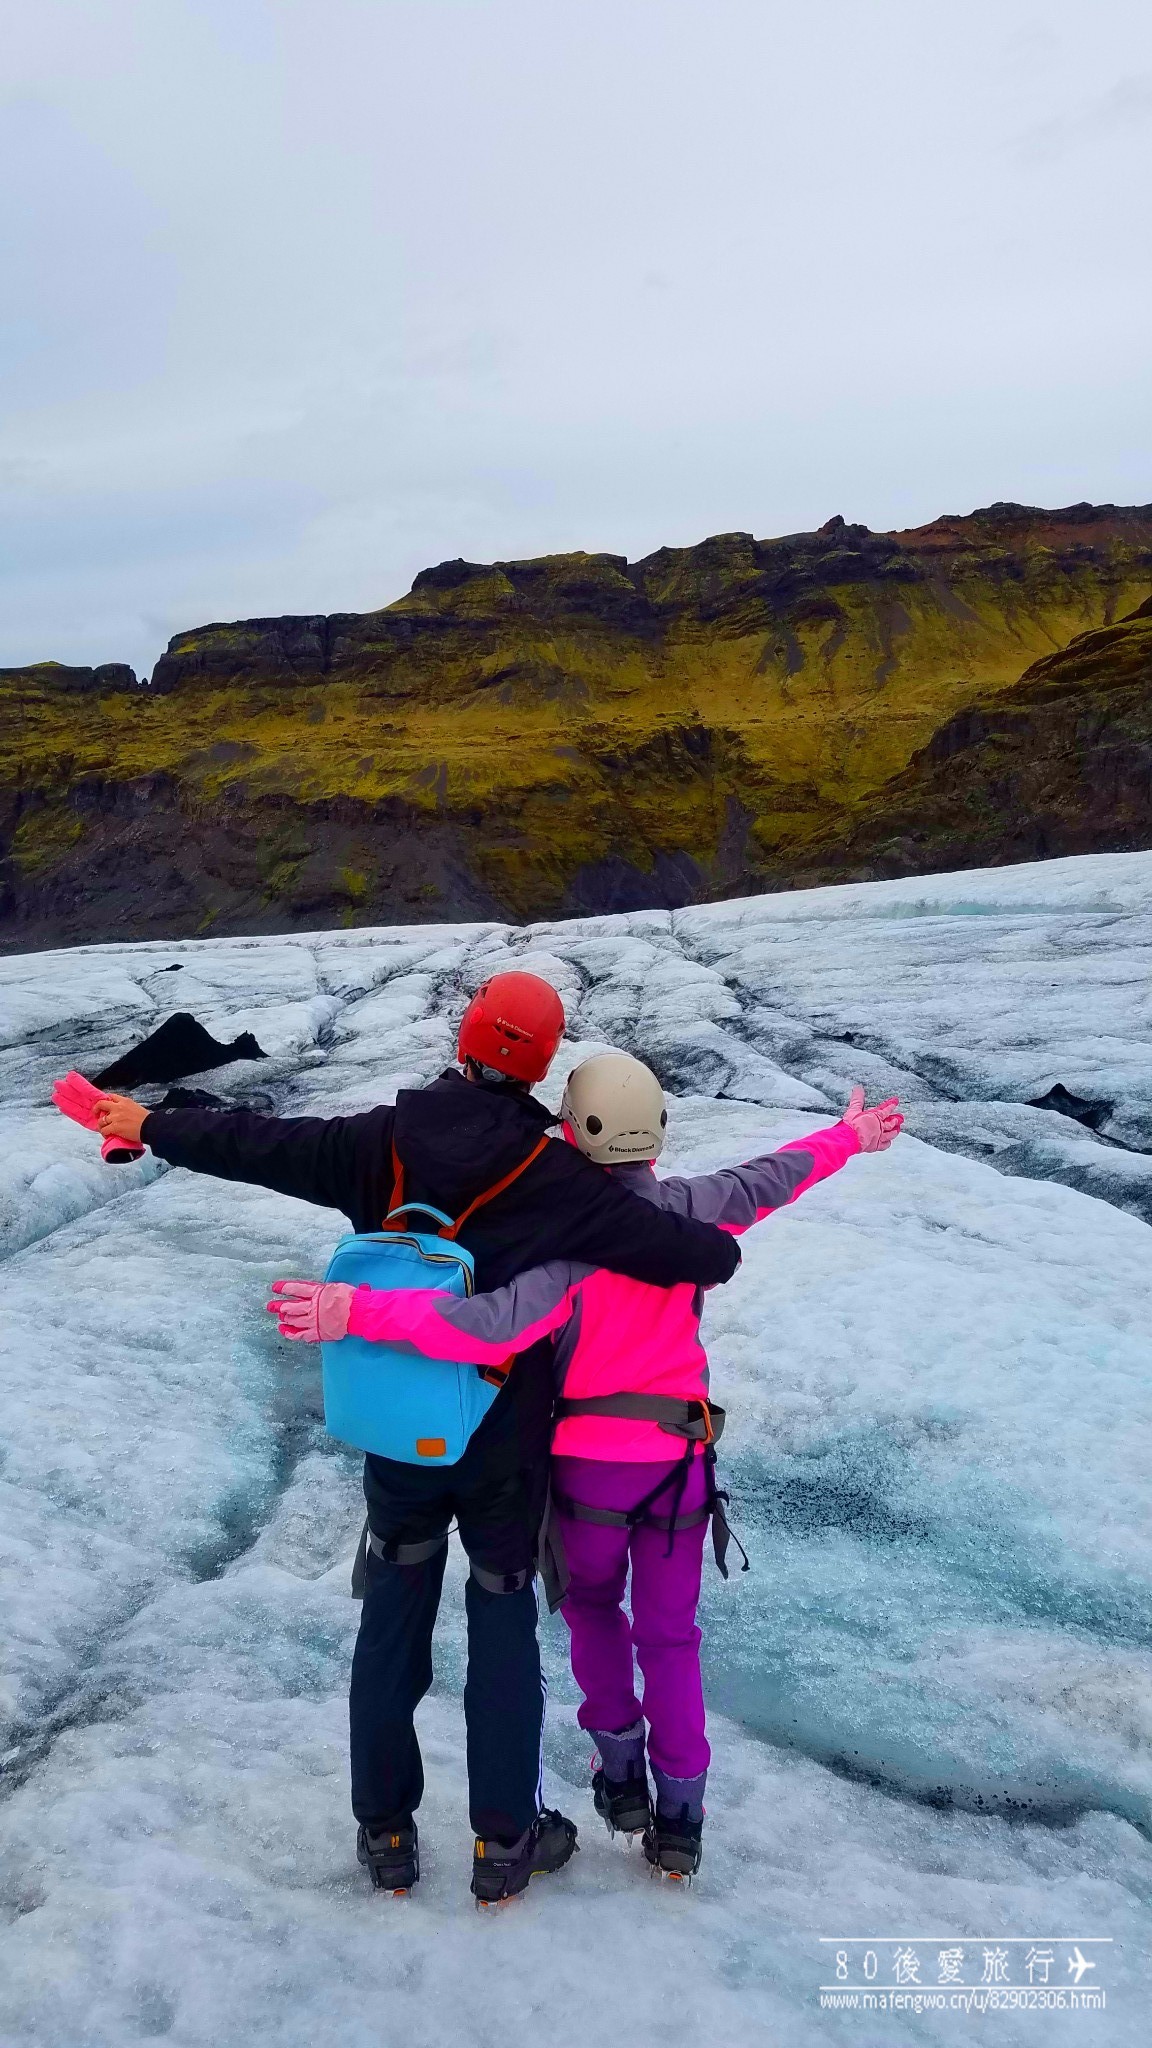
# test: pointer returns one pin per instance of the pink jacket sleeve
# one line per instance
(739, 1196)
(484, 1329)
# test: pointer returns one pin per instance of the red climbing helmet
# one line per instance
(513, 1023)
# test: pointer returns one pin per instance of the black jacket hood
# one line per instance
(460, 1136)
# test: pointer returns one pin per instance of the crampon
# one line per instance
(673, 1847)
(624, 1805)
(391, 1858)
(502, 1870)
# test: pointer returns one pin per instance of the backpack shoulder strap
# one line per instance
(397, 1200)
(498, 1187)
(489, 1194)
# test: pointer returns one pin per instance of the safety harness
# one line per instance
(391, 1551)
(697, 1422)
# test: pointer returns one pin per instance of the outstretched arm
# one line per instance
(318, 1159)
(598, 1221)
(739, 1196)
(486, 1329)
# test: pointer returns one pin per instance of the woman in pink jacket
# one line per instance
(633, 1480)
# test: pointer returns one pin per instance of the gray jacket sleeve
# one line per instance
(739, 1196)
(481, 1330)
(522, 1311)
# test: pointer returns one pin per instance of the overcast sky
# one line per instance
(301, 295)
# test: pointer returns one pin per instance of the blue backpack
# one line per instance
(387, 1398)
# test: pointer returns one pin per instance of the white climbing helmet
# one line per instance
(615, 1106)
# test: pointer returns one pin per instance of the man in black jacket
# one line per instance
(456, 1139)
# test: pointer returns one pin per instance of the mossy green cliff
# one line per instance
(1060, 764)
(525, 738)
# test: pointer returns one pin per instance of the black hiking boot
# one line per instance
(391, 1858)
(500, 1870)
(673, 1847)
(624, 1805)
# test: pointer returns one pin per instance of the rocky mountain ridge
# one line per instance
(582, 733)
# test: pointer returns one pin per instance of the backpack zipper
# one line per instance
(433, 1258)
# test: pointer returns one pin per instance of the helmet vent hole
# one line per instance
(663, 1119)
(594, 1124)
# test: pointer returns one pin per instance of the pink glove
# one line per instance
(312, 1311)
(75, 1097)
(877, 1127)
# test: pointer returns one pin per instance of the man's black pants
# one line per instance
(497, 1506)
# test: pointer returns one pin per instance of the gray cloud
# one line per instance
(1124, 110)
(296, 299)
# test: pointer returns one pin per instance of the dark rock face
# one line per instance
(56, 675)
(1061, 764)
(581, 733)
(1093, 1115)
(179, 1046)
(264, 650)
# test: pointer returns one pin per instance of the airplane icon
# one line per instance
(1077, 1964)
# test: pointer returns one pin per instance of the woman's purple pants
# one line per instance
(664, 1597)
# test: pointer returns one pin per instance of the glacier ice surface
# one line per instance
(931, 1697)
